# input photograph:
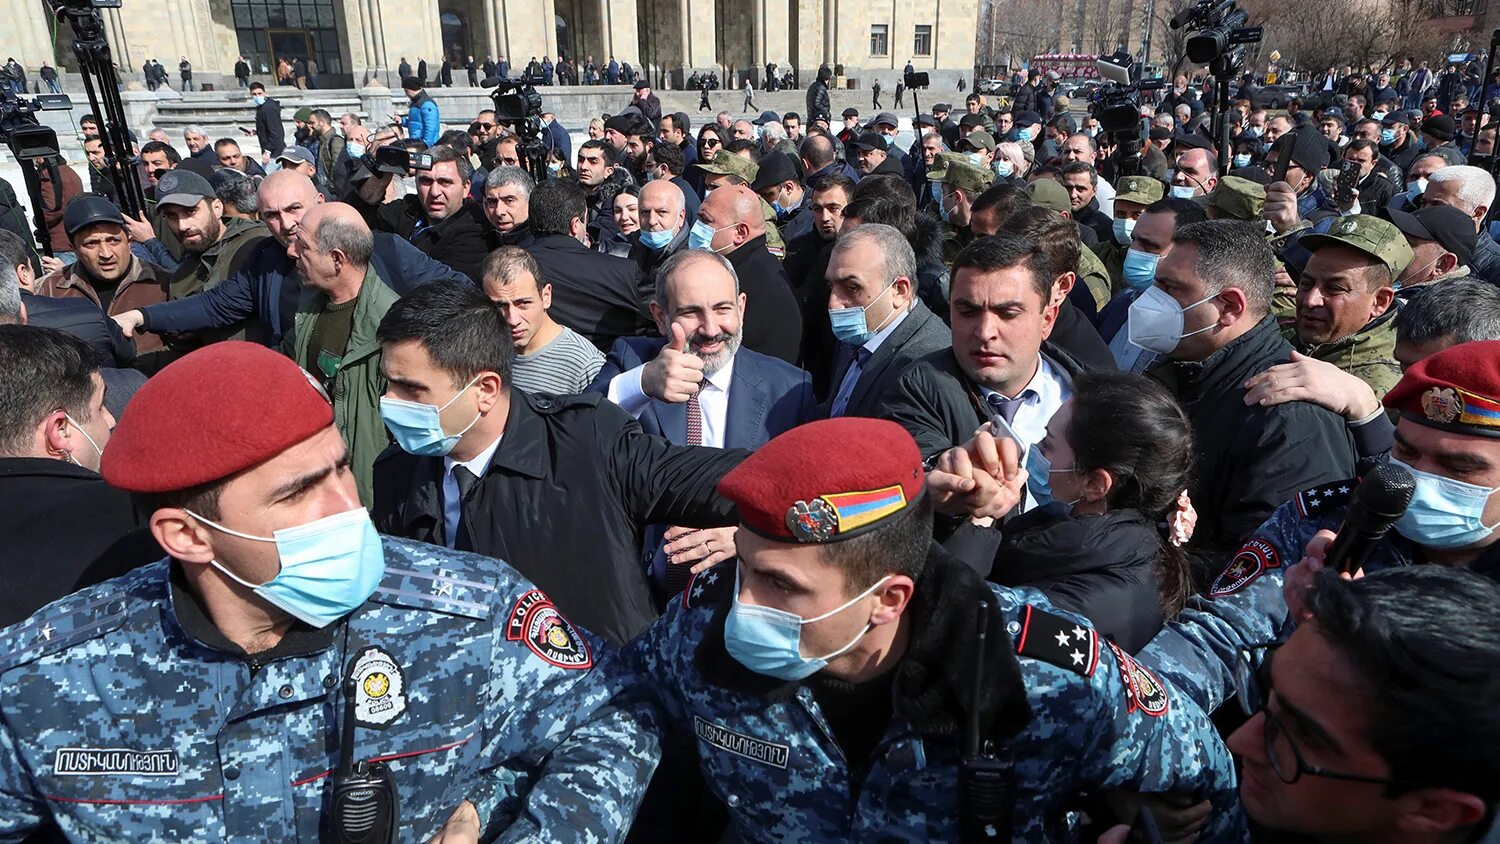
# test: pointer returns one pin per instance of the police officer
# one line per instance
(199, 697)
(1448, 436)
(823, 682)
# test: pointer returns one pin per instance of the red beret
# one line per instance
(217, 411)
(1457, 389)
(827, 481)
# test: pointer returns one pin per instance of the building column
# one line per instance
(758, 45)
(491, 29)
(549, 30)
(119, 46)
(35, 39)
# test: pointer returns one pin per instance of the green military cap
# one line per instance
(1049, 194)
(1142, 190)
(961, 174)
(1380, 239)
(303, 114)
(940, 163)
(1239, 198)
(978, 139)
(726, 163)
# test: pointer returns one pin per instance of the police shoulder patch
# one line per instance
(535, 622)
(1143, 691)
(1060, 641)
(1321, 500)
(87, 614)
(1255, 559)
(379, 690)
(704, 588)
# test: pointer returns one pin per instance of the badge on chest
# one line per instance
(380, 689)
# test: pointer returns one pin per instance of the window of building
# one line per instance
(922, 42)
(880, 40)
(269, 30)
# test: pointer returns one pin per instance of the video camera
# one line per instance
(917, 79)
(518, 106)
(23, 133)
(1219, 32)
(1117, 107)
(397, 160)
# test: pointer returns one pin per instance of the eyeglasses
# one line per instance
(1252, 686)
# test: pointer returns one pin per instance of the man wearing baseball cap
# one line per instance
(1442, 243)
(1135, 194)
(214, 245)
(1345, 296)
(107, 273)
(805, 674)
(281, 621)
(298, 159)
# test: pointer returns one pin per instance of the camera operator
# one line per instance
(440, 220)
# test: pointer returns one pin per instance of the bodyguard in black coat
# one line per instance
(602, 297)
(773, 322)
(461, 240)
(566, 500)
(82, 319)
(268, 129)
(921, 333)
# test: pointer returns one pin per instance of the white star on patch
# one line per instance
(1077, 657)
(1080, 634)
(46, 633)
(698, 591)
(711, 577)
(1344, 489)
(1327, 493)
(1062, 639)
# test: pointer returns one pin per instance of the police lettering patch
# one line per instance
(1142, 690)
(114, 761)
(1064, 643)
(1256, 558)
(379, 690)
(750, 747)
(535, 621)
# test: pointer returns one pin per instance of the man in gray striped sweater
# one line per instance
(550, 358)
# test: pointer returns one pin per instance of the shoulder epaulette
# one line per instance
(432, 578)
(77, 618)
(1061, 641)
(1321, 499)
(706, 587)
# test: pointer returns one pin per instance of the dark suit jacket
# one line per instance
(773, 322)
(599, 296)
(766, 396)
(920, 334)
(83, 320)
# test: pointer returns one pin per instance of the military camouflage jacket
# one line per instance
(1071, 711)
(125, 716)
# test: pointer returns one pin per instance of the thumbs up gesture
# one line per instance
(676, 374)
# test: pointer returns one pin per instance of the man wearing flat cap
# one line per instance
(1346, 296)
(1442, 243)
(209, 691)
(804, 681)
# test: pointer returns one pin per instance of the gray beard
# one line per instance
(715, 362)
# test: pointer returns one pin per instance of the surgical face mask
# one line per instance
(975, 158)
(943, 210)
(260, 99)
(1140, 268)
(328, 567)
(1155, 321)
(1255, 131)
(1415, 188)
(1444, 513)
(936, 189)
(890, 140)
(702, 235)
(554, 167)
(418, 427)
(1378, 115)
(1123, 229)
(1003, 168)
(1027, 134)
(355, 150)
(1242, 160)
(1039, 474)
(1092, 131)
(1182, 191)
(98, 452)
(850, 325)
(769, 641)
(1387, 137)
(656, 241)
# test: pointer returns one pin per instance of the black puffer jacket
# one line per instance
(1102, 567)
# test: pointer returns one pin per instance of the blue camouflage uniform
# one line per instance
(1245, 605)
(1097, 720)
(125, 716)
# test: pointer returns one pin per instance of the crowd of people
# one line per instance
(761, 479)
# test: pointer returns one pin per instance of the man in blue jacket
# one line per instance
(267, 285)
(422, 120)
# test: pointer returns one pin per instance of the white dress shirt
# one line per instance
(452, 507)
(713, 399)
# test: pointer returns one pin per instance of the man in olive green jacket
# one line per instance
(1346, 299)
(333, 333)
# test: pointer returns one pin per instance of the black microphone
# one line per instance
(1180, 19)
(1378, 502)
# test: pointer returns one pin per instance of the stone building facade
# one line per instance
(353, 40)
